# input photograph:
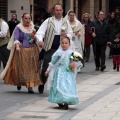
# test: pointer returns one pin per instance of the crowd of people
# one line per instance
(33, 57)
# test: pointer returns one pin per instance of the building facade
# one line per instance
(37, 7)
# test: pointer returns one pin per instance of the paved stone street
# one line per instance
(99, 95)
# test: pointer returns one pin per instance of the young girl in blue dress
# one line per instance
(61, 79)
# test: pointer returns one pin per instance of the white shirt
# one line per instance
(4, 29)
(58, 25)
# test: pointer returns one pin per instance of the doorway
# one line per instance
(40, 11)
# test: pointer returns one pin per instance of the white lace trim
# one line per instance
(51, 74)
(16, 41)
(50, 66)
(24, 30)
(62, 92)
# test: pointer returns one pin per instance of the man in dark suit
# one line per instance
(99, 32)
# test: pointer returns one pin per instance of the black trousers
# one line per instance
(99, 54)
(46, 60)
(87, 52)
(111, 51)
(4, 54)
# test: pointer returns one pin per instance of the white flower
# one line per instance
(80, 55)
(77, 54)
(71, 57)
(63, 28)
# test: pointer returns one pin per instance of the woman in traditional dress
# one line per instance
(22, 68)
(78, 33)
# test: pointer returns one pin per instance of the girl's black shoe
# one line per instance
(60, 105)
(66, 106)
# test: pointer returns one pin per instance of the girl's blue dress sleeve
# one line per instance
(55, 59)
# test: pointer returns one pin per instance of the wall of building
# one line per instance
(105, 7)
(52, 2)
(67, 6)
(18, 6)
(96, 5)
(92, 9)
(92, 6)
(89, 6)
(85, 6)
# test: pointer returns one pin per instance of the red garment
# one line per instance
(116, 60)
(88, 38)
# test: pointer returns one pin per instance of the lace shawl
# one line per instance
(63, 55)
(79, 27)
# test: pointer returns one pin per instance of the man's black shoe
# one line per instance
(97, 69)
(103, 67)
(18, 87)
(41, 88)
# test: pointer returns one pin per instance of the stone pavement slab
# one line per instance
(107, 108)
(99, 99)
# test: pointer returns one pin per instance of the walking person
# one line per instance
(62, 80)
(12, 23)
(4, 39)
(117, 13)
(99, 32)
(22, 68)
(78, 34)
(114, 28)
(78, 31)
(51, 30)
(88, 39)
(115, 46)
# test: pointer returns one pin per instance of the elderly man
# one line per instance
(52, 29)
(100, 33)
(4, 39)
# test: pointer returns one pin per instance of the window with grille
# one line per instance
(3, 9)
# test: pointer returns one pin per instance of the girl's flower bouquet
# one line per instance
(76, 57)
